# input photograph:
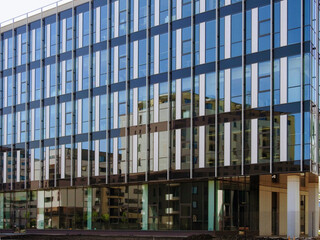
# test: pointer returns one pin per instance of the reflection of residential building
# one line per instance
(156, 116)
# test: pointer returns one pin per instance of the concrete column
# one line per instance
(293, 206)
(313, 211)
(265, 216)
(145, 207)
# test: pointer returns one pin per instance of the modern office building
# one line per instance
(161, 115)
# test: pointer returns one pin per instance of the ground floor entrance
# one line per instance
(284, 205)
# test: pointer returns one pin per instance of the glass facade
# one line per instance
(129, 91)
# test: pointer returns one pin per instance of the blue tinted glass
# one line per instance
(211, 55)
(186, 84)
(186, 60)
(264, 13)
(294, 13)
(122, 109)
(211, 85)
(122, 63)
(123, 17)
(248, 24)
(122, 50)
(142, 52)
(122, 5)
(264, 28)
(307, 30)
(276, 40)
(276, 74)
(163, 65)
(164, 46)
(276, 17)
(248, 46)
(163, 88)
(186, 10)
(164, 17)
(236, 82)
(264, 84)
(294, 71)
(294, 36)
(307, 68)
(143, 8)
(142, 94)
(236, 49)
(236, 29)
(186, 47)
(264, 69)
(122, 96)
(264, 99)
(210, 34)
(264, 43)
(122, 75)
(85, 23)
(85, 110)
(276, 97)
(236, 100)
(210, 4)
(163, 5)
(221, 85)
(307, 92)
(294, 94)
(248, 79)
(307, 17)
(307, 154)
(222, 31)
(296, 150)
(186, 33)
(307, 127)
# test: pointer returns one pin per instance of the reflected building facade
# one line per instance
(161, 115)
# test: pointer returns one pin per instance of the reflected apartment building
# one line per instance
(161, 115)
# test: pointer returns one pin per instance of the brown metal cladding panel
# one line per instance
(229, 171)
(181, 123)
(116, 179)
(229, 117)
(83, 181)
(283, 167)
(98, 180)
(136, 130)
(63, 183)
(204, 173)
(180, 174)
(156, 176)
(18, 186)
(158, 127)
(257, 169)
(139, 177)
(34, 185)
(122, 132)
(203, 120)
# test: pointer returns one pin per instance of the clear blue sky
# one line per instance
(14, 8)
